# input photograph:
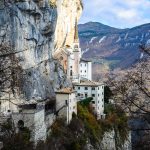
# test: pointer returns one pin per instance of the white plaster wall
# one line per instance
(72, 105)
(89, 72)
(60, 102)
(99, 97)
(66, 112)
(84, 69)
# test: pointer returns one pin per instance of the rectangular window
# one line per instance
(98, 95)
(93, 102)
(70, 66)
(98, 88)
(78, 88)
(93, 88)
(86, 95)
(78, 94)
(81, 71)
(98, 101)
(86, 88)
(85, 65)
(93, 95)
(85, 70)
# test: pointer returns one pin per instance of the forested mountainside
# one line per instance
(112, 47)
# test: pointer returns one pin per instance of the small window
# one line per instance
(85, 65)
(102, 106)
(85, 70)
(98, 88)
(93, 95)
(81, 65)
(93, 102)
(93, 88)
(86, 88)
(86, 95)
(20, 124)
(102, 99)
(102, 93)
(78, 88)
(98, 101)
(78, 94)
(81, 71)
(70, 66)
(98, 95)
(66, 102)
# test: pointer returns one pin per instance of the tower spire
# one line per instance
(76, 36)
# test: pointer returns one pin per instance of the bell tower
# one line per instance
(77, 54)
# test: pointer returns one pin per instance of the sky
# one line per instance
(117, 13)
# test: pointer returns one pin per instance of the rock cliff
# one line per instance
(29, 29)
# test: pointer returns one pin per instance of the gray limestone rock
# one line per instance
(27, 27)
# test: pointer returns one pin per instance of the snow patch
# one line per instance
(126, 36)
(148, 42)
(92, 39)
(86, 50)
(119, 39)
(102, 39)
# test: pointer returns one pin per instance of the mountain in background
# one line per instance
(110, 48)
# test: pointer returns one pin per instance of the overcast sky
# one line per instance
(117, 13)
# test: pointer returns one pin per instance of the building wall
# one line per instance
(66, 112)
(97, 94)
(60, 102)
(34, 120)
(86, 70)
(89, 72)
(72, 105)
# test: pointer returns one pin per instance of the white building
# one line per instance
(69, 57)
(66, 104)
(85, 69)
(95, 90)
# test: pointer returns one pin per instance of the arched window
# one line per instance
(20, 124)
(76, 46)
(71, 73)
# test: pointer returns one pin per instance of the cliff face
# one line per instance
(28, 28)
(69, 11)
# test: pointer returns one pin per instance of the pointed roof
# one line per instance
(76, 36)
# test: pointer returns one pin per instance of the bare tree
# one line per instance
(131, 90)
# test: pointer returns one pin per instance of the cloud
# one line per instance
(117, 13)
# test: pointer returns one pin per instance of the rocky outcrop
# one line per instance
(69, 11)
(28, 28)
